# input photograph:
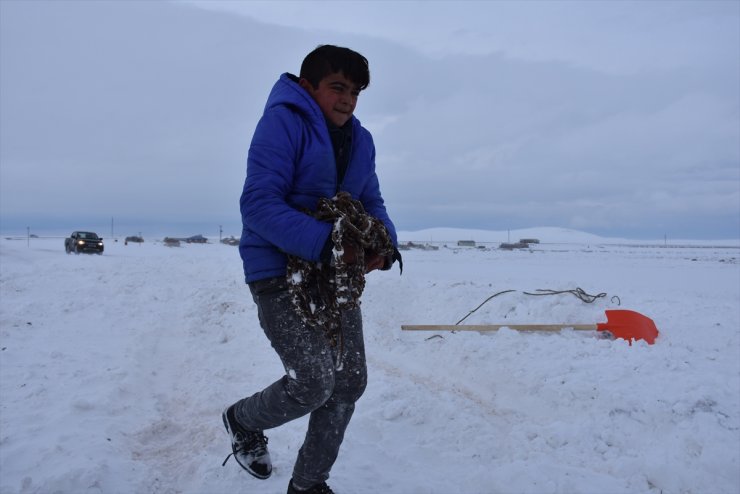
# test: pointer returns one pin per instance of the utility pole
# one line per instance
(28, 236)
(220, 232)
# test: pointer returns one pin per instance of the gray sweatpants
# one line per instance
(312, 382)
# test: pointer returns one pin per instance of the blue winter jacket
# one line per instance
(289, 167)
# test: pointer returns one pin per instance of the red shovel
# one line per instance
(626, 324)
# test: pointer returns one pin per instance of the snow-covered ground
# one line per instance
(114, 370)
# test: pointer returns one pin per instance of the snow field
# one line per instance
(114, 370)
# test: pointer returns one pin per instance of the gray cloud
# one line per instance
(527, 143)
(612, 120)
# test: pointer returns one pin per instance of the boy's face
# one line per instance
(336, 96)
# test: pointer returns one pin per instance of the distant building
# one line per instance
(195, 239)
(512, 246)
(412, 245)
(529, 241)
(466, 243)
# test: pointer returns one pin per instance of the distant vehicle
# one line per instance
(134, 238)
(230, 241)
(197, 239)
(171, 242)
(83, 242)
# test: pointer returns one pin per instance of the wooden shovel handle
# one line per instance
(495, 327)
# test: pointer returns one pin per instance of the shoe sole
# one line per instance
(249, 470)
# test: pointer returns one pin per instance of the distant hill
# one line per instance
(549, 235)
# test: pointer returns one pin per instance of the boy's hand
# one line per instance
(373, 261)
(350, 255)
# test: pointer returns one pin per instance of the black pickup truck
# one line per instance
(83, 242)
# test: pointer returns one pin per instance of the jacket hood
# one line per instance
(287, 91)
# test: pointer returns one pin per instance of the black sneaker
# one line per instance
(321, 488)
(249, 448)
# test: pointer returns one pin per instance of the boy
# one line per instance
(307, 146)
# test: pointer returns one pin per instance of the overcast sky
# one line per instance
(617, 118)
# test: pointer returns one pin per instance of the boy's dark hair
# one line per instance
(330, 59)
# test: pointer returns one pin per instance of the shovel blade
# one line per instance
(629, 325)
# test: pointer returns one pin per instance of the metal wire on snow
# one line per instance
(577, 292)
(483, 303)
